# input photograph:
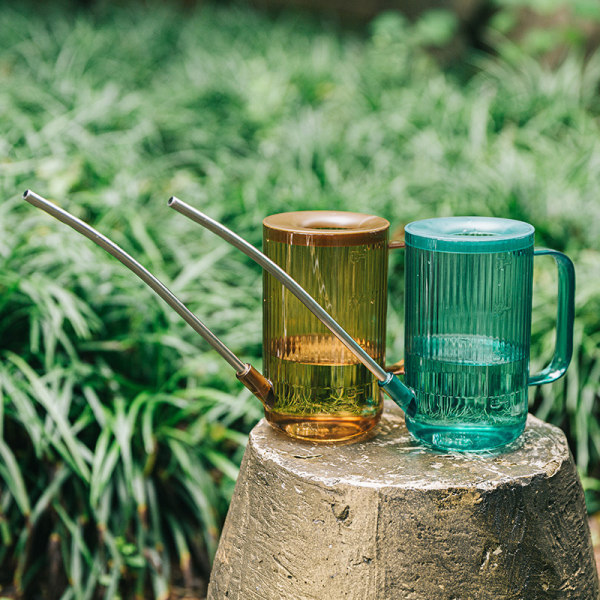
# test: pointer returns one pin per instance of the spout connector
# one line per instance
(258, 384)
(403, 396)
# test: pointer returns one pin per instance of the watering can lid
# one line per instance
(469, 234)
(326, 228)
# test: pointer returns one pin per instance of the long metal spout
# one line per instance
(401, 394)
(259, 385)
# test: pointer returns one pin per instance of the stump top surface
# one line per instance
(392, 458)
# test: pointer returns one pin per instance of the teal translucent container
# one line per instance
(468, 329)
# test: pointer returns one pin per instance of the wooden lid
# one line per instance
(325, 228)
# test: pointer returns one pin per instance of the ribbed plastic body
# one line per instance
(323, 392)
(468, 325)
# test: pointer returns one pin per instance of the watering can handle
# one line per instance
(398, 367)
(564, 322)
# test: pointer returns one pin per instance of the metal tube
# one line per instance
(145, 275)
(402, 395)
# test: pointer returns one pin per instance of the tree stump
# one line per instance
(389, 519)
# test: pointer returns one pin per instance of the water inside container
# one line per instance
(468, 388)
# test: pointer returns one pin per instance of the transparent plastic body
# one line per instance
(468, 329)
(323, 392)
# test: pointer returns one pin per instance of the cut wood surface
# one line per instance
(387, 518)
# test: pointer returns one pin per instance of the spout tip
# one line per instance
(172, 200)
(259, 385)
(26, 194)
(402, 395)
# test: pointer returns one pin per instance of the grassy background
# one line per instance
(121, 433)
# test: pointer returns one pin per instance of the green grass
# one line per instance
(121, 430)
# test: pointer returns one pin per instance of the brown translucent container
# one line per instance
(323, 392)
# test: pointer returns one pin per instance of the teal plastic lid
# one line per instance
(469, 234)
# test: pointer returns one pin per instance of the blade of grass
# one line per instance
(59, 419)
(106, 456)
(14, 480)
(76, 532)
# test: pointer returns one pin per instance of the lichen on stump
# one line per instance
(389, 519)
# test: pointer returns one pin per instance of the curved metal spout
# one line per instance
(400, 393)
(259, 385)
